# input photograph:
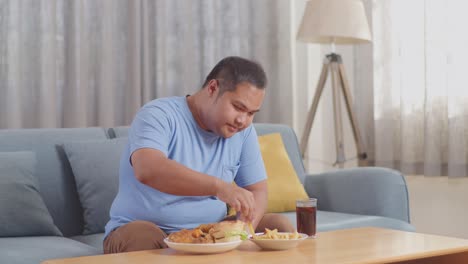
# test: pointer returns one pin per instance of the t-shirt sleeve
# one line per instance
(251, 169)
(151, 128)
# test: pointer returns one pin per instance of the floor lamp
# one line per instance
(335, 22)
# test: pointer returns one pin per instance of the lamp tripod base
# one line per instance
(334, 65)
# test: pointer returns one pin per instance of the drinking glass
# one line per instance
(306, 216)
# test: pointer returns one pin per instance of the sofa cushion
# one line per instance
(95, 166)
(34, 250)
(23, 211)
(290, 141)
(284, 187)
(53, 170)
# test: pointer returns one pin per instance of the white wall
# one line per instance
(438, 205)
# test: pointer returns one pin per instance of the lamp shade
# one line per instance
(334, 21)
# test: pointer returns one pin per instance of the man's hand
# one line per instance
(238, 198)
(260, 193)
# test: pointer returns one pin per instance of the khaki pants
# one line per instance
(144, 235)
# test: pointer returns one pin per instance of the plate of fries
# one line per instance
(274, 240)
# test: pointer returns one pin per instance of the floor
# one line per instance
(439, 205)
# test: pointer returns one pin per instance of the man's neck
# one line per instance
(194, 106)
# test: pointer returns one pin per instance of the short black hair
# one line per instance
(233, 70)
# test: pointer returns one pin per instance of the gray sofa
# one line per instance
(56, 186)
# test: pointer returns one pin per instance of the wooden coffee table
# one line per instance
(359, 245)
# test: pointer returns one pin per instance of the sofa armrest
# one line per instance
(365, 191)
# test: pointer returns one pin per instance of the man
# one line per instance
(182, 157)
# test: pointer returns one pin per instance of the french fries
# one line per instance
(252, 231)
(273, 234)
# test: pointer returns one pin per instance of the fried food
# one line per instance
(273, 234)
(191, 236)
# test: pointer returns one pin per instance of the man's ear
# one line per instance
(212, 87)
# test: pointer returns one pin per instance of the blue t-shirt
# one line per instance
(168, 125)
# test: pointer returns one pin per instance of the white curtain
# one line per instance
(415, 73)
(95, 62)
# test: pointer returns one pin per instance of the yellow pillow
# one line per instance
(284, 187)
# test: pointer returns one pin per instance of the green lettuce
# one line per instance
(243, 235)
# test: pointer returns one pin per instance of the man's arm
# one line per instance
(154, 169)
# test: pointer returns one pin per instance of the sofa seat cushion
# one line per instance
(34, 250)
(327, 221)
(23, 212)
(94, 240)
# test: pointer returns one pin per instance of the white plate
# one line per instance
(278, 244)
(203, 248)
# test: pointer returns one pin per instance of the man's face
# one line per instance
(234, 111)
